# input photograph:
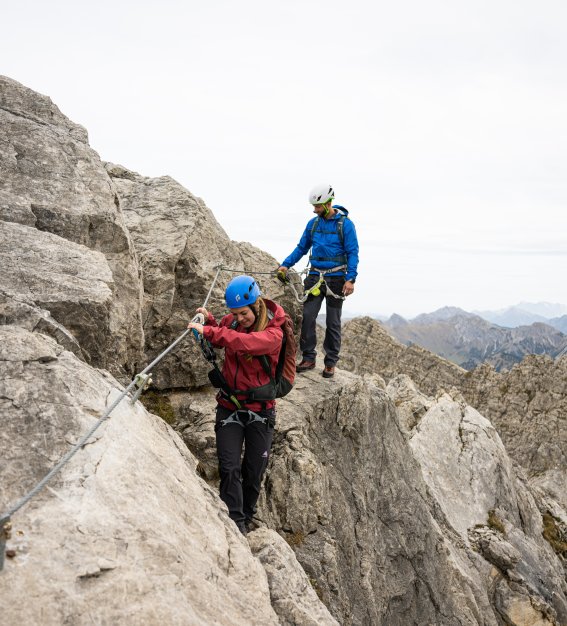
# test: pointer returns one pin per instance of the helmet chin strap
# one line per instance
(326, 211)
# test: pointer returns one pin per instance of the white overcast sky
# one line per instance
(442, 126)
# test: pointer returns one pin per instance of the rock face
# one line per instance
(391, 503)
(127, 533)
(293, 596)
(180, 245)
(527, 405)
(61, 215)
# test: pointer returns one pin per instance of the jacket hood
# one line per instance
(275, 313)
(340, 209)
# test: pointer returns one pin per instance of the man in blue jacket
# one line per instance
(331, 236)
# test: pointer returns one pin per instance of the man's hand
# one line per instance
(282, 274)
(348, 288)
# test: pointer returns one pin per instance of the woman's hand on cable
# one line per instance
(196, 326)
(203, 311)
(348, 288)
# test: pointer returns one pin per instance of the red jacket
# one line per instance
(241, 369)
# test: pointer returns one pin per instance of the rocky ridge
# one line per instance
(527, 405)
(400, 502)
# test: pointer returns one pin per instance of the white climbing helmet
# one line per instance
(321, 194)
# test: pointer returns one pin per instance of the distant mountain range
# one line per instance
(527, 313)
(468, 340)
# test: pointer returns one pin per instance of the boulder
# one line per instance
(55, 184)
(293, 595)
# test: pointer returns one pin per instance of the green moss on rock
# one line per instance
(159, 404)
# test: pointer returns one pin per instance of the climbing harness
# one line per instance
(234, 418)
(315, 290)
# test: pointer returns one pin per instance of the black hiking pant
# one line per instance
(240, 480)
(311, 308)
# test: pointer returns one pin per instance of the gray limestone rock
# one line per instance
(470, 475)
(527, 405)
(401, 508)
(180, 244)
(367, 348)
(410, 403)
(52, 182)
(127, 533)
(70, 281)
(293, 595)
(18, 310)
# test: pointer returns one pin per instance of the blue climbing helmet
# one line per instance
(241, 291)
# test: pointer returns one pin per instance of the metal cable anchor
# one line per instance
(142, 381)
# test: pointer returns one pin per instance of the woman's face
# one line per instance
(244, 316)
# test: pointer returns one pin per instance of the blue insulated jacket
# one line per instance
(326, 244)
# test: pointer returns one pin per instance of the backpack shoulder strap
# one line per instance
(340, 227)
(314, 227)
(263, 358)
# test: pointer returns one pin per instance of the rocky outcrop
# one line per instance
(527, 405)
(367, 349)
(293, 595)
(468, 472)
(391, 503)
(180, 245)
(61, 222)
(127, 532)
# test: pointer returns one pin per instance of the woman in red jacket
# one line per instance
(247, 415)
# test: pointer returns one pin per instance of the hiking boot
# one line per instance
(305, 365)
(252, 524)
(329, 371)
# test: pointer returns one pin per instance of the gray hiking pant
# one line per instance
(311, 308)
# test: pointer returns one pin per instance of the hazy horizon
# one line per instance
(533, 305)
